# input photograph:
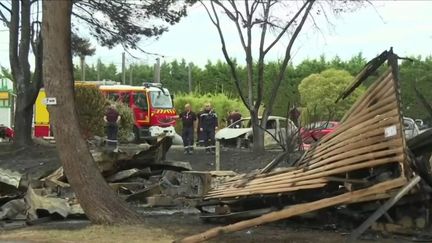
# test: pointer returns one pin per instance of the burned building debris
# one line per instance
(366, 159)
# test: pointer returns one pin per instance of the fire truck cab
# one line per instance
(152, 107)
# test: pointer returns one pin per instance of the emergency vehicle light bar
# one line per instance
(148, 85)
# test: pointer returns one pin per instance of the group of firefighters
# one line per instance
(206, 127)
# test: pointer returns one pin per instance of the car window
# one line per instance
(113, 96)
(271, 124)
(140, 101)
(126, 98)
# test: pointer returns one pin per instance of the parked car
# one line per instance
(413, 127)
(315, 131)
(240, 133)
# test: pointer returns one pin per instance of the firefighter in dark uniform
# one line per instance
(112, 118)
(208, 126)
(188, 118)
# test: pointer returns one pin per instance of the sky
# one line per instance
(404, 25)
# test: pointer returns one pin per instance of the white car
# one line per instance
(240, 132)
(412, 128)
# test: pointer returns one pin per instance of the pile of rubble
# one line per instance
(140, 174)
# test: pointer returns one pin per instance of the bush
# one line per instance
(319, 92)
(90, 106)
(126, 121)
(221, 103)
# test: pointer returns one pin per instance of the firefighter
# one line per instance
(233, 117)
(208, 126)
(188, 118)
(112, 118)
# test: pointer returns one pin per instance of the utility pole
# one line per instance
(82, 59)
(98, 70)
(157, 71)
(190, 77)
(130, 74)
(123, 69)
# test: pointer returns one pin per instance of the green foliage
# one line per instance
(417, 71)
(126, 121)
(319, 92)
(221, 103)
(90, 106)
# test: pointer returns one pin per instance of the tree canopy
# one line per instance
(319, 92)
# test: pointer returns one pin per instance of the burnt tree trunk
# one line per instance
(19, 47)
(258, 133)
(98, 200)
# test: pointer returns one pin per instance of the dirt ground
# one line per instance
(164, 228)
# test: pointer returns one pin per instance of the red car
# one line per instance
(315, 131)
(6, 132)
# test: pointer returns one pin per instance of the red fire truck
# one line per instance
(151, 104)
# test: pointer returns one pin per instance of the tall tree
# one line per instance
(97, 199)
(24, 33)
(261, 16)
(112, 22)
(81, 47)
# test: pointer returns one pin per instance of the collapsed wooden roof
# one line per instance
(364, 159)
(370, 135)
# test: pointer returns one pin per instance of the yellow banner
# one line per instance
(4, 95)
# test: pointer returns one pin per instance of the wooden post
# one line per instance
(383, 209)
(217, 163)
(190, 77)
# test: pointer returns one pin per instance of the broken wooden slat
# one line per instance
(294, 210)
(386, 206)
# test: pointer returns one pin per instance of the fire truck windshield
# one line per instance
(160, 99)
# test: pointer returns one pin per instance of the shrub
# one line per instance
(90, 106)
(126, 121)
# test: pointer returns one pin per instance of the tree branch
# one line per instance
(216, 22)
(4, 19)
(13, 38)
(287, 26)
(235, 19)
(248, 50)
(284, 64)
(260, 90)
(6, 8)
(24, 46)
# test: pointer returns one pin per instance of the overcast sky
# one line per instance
(405, 25)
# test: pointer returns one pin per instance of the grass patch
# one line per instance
(93, 233)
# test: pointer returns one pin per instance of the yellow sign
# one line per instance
(4, 95)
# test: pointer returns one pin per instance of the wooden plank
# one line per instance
(374, 85)
(384, 208)
(335, 171)
(358, 133)
(294, 210)
(340, 163)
